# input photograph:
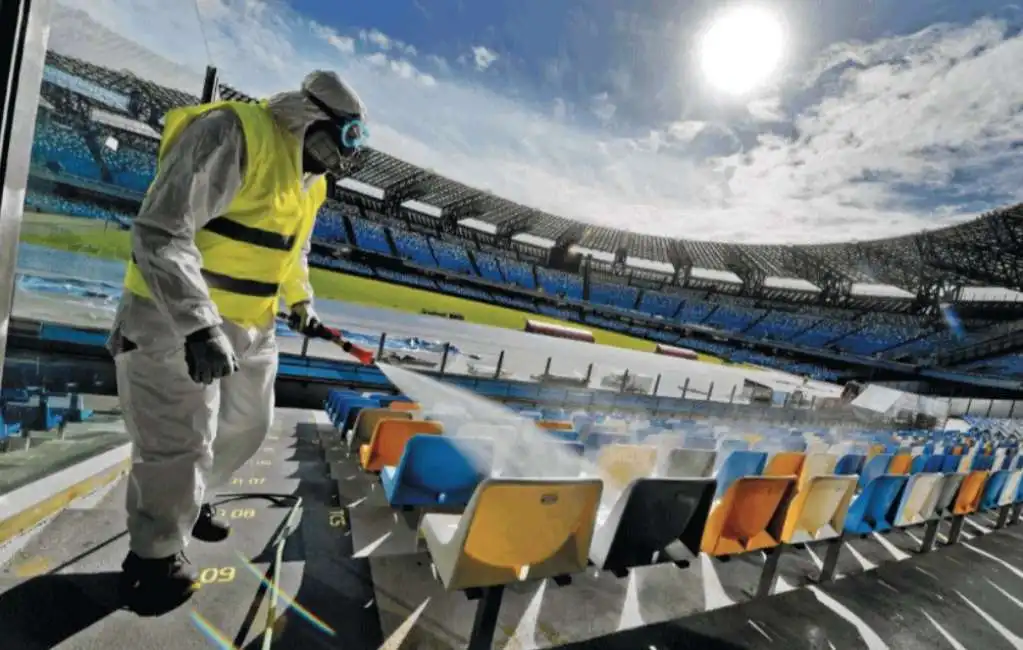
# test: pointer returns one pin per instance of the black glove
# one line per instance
(304, 320)
(209, 355)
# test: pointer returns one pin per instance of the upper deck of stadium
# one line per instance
(961, 262)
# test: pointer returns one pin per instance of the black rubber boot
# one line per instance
(209, 527)
(151, 587)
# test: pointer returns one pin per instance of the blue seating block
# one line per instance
(849, 464)
(874, 468)
(993, 490)
(438, 471)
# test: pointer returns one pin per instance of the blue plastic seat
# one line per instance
(951, 464)
(437, 470)
(993, 490)
(349, 408)
(849, 464)
(869, 511)
(736, 465)
(918, 464)
(935, 464)
(874, 468)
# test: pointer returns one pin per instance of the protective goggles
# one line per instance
(351, 132)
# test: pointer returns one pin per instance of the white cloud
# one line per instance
(915, 111)
(483, 57)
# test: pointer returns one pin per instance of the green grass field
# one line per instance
(90, 238)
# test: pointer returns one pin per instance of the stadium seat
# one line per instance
(787, 463)
(402, 405)
(438, 471)
(868, 512)
(737, 465)
(555, 425)
(934, 464)
(513, 530)
(993, 490)
(819, 464)
(738, 521)
(970, 493)
(850, 464)
(900, 464)
(950, 485)
(648, 516)
(919, 498)
(344, 415)
(818, 509)
(1012, 487)
(873, 468)
(688, 463)
(620, 464)
(389, 440)
(366, 424)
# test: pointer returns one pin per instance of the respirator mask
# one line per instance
(331, 143)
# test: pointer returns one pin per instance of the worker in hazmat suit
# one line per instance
(222, 236)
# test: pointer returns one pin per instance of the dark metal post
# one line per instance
(209, 85)
(589, 374)
(625, 380)
(831, 558)
(685, 388)
(657, 385)
(444, 358)
(305, 346)
(500, 365)
(547, 369)
(484, 626)
(710, 391)
(769, 574)
(380, 348)
(930, 533)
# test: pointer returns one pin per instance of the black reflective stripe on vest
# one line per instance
(253, 288)
(239, 232)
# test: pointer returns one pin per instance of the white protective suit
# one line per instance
(189, 438)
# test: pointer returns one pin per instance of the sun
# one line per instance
(741, 48)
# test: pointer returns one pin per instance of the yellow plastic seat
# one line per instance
(738, 522)
(620, 464)
(970, 493)
(389, 439)
(366, 423)
(785, 463)
(514, 529)
(900, 464)
(405, 406)
(818, 509)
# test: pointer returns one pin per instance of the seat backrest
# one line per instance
(443, 465)
(739, 521)
(401, 405)
(650, 514)
(850, 464)
(819, 508)
(366, 422)
(900, 464)
(949, 489)
(786, 463)
(737, 465)
(918, 500)
(951, 464)
(1011, 489)
(817, 465)
(873, 468)
(970, 492)
(543, 524)
(934, 464)
(620, 464)
(391, 436)
(688, 463)
(555, 425)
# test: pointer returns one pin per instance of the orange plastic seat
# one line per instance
(786, 463)
(738, 522)
(389, 440)
(970, 493)
(555, 425)
(404, 406)
(900, 464)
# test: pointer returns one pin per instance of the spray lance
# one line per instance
(325, 333)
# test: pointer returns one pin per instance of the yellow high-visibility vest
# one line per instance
(251, 253)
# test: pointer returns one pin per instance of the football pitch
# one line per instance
(92, 237)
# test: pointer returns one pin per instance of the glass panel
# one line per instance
(93, 155)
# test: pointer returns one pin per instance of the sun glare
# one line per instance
(741, 48)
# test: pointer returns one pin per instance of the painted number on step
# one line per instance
(237, 513)
(216, 576)
(337, 519)
(253, 480)
(264, 462)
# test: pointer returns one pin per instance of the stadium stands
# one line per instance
(673, 289)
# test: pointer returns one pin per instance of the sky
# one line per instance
(881, 117)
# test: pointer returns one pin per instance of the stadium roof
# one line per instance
(933, 265)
